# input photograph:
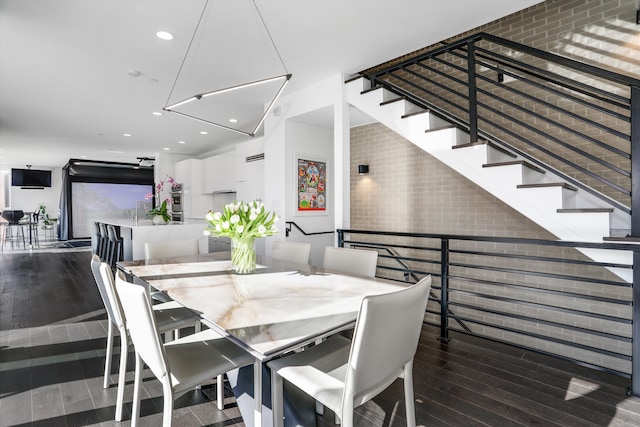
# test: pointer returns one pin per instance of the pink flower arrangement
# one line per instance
(162, 209)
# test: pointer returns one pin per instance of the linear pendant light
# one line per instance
(284, 79)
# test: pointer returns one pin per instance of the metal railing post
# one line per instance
(444, 290)
(635, 328)
(635, 161)
(473, 105)
(635, 232)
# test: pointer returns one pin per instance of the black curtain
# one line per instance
(77, 170)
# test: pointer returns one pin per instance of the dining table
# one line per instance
(279, 308)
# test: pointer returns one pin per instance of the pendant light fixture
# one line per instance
(224, 59)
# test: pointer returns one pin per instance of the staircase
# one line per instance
(564, 210)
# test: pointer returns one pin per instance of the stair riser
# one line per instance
(550, 198)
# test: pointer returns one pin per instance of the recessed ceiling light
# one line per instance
(126, 134)
(166, 148)
(233, 120)
(164, 35)
(204, 132)
(182, 142)
(157, 113)
(83, 157)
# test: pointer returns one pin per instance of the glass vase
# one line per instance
(243, 255)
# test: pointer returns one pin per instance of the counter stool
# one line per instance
(114, 253)
(34, 238)
(13, 229)
(103, 248)
(95, 229)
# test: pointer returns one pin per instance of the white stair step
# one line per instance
(551, 196)
(519, 172)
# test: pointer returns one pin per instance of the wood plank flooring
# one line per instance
(52, 338)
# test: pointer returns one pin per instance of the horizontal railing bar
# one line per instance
(539, 274)
(567, 294)
(547, 353)
(544, 306)
(433, 94)
(573, 85)
(608, 335)
(564, 111)
(381, 245)
(567, 129)
(442, 73)
(535, 84)
(568, 62)
(592, 92)
(549, 339)
(569, 179)
(556, 156)
(496, 239)
(421, 102)
(544, 259)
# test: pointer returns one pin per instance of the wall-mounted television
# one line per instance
(30, 178)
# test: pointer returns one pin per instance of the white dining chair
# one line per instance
(353, 261)
(343, 374)
(179, 365)
(173, 248)
(170, 317)
(297, 252)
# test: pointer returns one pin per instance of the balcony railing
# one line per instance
(542, 295)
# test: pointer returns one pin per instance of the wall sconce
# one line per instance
(363, 169)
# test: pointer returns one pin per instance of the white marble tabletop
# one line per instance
(271, 311)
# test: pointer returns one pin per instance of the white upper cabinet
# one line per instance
(189, 174)
(219, 173)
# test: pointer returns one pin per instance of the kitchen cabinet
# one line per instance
(189, 174)
(219, 173)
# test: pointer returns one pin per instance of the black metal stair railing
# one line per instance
(578, 121)
(410, 276)
(542, 295)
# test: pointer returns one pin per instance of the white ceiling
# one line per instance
(66, 92)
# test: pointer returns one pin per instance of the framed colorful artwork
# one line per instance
(312, 184)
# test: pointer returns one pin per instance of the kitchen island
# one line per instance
(135, 235)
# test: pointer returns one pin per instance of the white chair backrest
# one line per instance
(170, 248)
(291, 251)
(142, 325)
(353, 261)
(385, 339)
(104, 279)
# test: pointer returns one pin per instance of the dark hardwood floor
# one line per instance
(52, 338)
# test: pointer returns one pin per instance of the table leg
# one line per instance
(257, 394)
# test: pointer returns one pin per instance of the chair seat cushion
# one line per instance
(172, 315)
(202, 355)
(319, 370)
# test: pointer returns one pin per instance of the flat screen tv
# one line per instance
(30, 178)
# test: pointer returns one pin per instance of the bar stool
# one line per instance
(95, 227)
(114, 253)
(103, 250)
(34, 238)
(13, 224)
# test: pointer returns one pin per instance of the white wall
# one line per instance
(286, 134)
(28, 200)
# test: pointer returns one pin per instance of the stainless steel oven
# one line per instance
(177, 194)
